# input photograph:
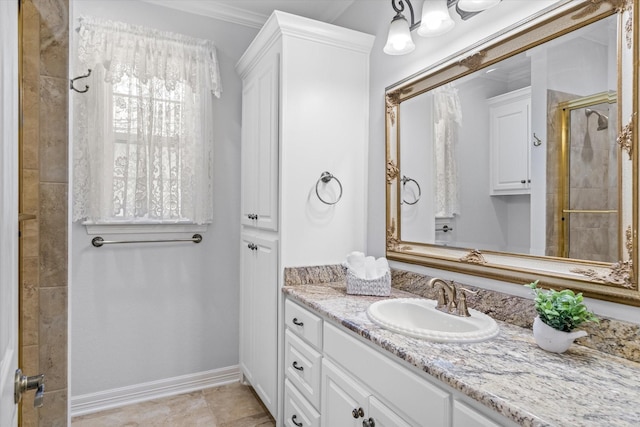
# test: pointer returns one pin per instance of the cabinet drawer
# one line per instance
(297, 411)
(302, 367)
(419, 400)
(304, 323)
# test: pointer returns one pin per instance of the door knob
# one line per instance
(24, 383)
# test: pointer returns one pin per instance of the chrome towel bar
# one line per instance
(99, 241)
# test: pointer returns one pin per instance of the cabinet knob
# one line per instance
(369, 423)
(293, 420)
(298, 367)
(357, 413)
(524, 181)
(297, 322)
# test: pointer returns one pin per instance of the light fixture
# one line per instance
(476, 5)
(435, 21)
(399, 41)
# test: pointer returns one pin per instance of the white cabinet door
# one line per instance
(509, 140)
(465, 416)
(259, 186)
(344, 401)
(259, 316)
(381, 416)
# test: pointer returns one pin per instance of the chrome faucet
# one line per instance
(448, 301)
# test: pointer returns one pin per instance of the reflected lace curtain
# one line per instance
(143, 136)
(447, 122)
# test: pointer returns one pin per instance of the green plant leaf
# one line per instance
(563, 310)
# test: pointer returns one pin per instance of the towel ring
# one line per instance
(325, 177)
(404, 180)
(84, 76)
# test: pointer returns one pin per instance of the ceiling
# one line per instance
(254, 13)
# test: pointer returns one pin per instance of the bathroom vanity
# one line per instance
(341, 369)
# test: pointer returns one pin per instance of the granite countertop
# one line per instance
(509, 374)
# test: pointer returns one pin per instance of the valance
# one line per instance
(146, 53)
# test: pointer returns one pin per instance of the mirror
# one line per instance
(513, 159)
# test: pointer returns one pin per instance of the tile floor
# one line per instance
(233, 405)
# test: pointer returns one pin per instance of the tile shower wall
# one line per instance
(43, 250)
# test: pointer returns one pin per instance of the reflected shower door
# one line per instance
(590, 172)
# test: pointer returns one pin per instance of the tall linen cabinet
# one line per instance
(305, 111)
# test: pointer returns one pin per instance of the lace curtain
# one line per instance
(143, 137)
(447, 121)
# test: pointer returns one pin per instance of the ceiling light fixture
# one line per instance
(435, 21)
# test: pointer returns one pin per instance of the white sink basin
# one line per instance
(419, 318)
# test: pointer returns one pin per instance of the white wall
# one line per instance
(373, 17)
(416, 162)
(142, 313)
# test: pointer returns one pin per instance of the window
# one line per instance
(142, 133)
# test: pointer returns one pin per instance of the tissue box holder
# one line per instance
(380, 287)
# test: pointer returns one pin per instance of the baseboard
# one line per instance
(114, 398)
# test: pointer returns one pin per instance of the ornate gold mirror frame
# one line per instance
(617, 282)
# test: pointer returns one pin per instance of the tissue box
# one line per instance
(380, 287)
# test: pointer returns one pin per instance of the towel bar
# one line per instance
(99, 241)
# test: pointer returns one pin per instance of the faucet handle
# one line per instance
(461, 309)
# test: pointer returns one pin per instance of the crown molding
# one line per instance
(325, 11)
(215, 10)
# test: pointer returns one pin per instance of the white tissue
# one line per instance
(366, 267)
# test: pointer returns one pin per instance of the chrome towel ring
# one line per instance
(406, 179)
(325, 177)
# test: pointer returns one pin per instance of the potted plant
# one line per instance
(559, 312)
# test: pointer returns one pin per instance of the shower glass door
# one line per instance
(590, 174)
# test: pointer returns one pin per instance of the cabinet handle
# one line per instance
(297, 322)
(252, 246)
(357, 413)
(369, 423)
(293, 419)
(296, 366)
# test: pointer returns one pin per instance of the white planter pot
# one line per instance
(551, 339)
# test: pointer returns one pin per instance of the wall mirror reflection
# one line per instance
(513, 160)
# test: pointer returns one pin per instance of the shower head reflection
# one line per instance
(603, 121)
